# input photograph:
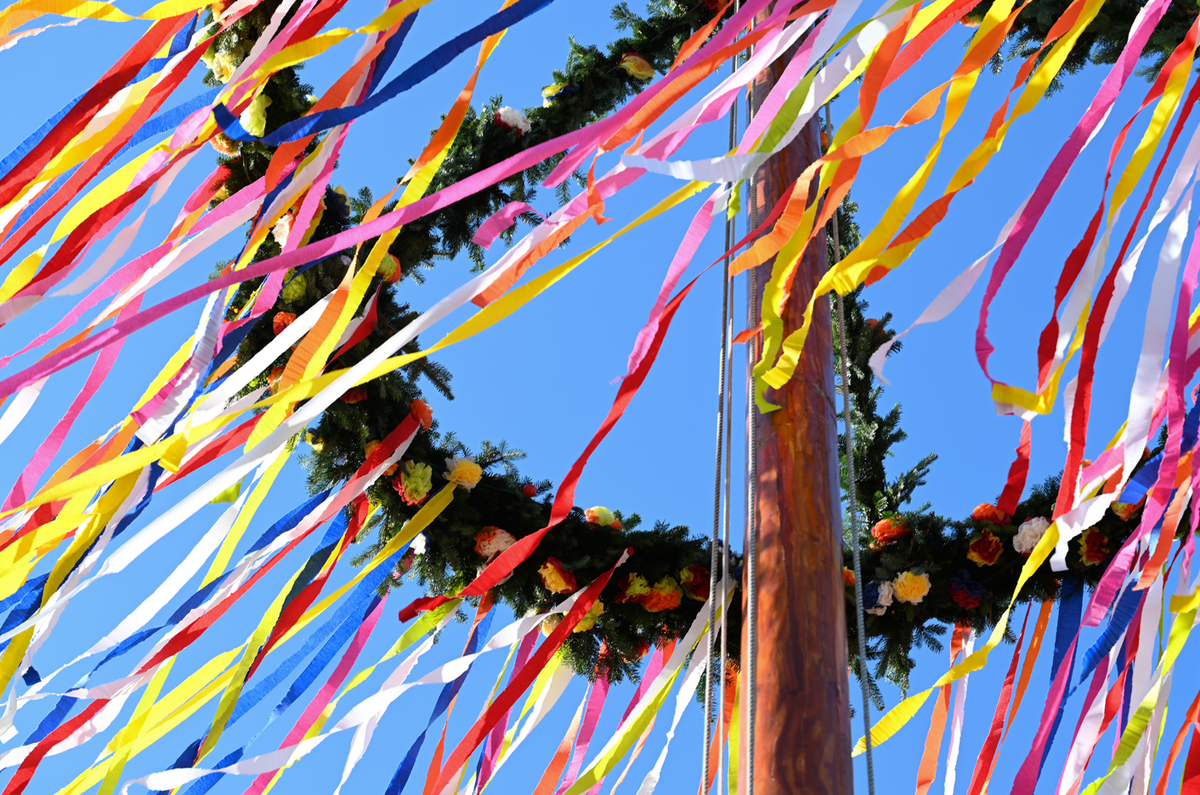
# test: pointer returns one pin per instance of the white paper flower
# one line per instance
(1029, 534)
(283, 228)
(885, 599)
(513, 119)
(418, 543)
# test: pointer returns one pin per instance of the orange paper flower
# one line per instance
(893, 528)
(224, 145)
(556, 577)
(665, 595)
(281, 321)
(420, 409)
(355, 395)
(695, 581)
(985, 549)
(986, 512)
(848, 577)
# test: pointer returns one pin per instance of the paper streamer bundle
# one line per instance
(60, 197)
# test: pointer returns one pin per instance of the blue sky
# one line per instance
(542, 379)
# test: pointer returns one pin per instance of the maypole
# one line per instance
(801, 725)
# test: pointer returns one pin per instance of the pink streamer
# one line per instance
(1057, 172)
(53, 443)
(502, 219)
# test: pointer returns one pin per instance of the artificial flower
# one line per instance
(589, 620)
(985, 549)
(1029, 534)
(354, 395)
(389, 269)
(910, 587)
(848, 577)
(891, 529)
(603, 517)
(664, 595)
(695, 581)
(295, 288)
(986, 512)
(407, 561)
(640, 650)
(208, 56)
(879, 596)
(420, 409)
(512, 119)
(550, 623)
(551, 93)
(1093, 547)
(222, 194)
(223, 67)
(969, 23)
(1125, 510)
(414, 482)
(633, 587)
(273, 379)
(491, 541)
(556, 577)
(283, 228)
(463, 471)
(281, 321)
(314, 441)
(636, 66)
(965, 592)
(224, 145)
(529, 490)
(254, 117)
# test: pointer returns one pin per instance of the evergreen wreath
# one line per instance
(928, 566)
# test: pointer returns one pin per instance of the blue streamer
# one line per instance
(428, 66)
(1070, 611)
(449, 691)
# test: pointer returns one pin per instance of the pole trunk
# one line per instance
(802, 731)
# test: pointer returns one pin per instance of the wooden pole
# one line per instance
(802, 726)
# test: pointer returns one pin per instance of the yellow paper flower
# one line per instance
(589, 621)
(223, 66)
(463, 471)
(634, 588)
(314, 441)
(910, 587)
(551, 623)
(556, 577)
(549, 92)
(636, 66)
(254, 117)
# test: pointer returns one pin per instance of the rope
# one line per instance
(724, 398)
(847, 412)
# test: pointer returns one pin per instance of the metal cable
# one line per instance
(724, 400)
(852, 487)
(714, 541)
(750, 654)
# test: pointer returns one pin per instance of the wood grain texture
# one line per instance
(802, 736)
